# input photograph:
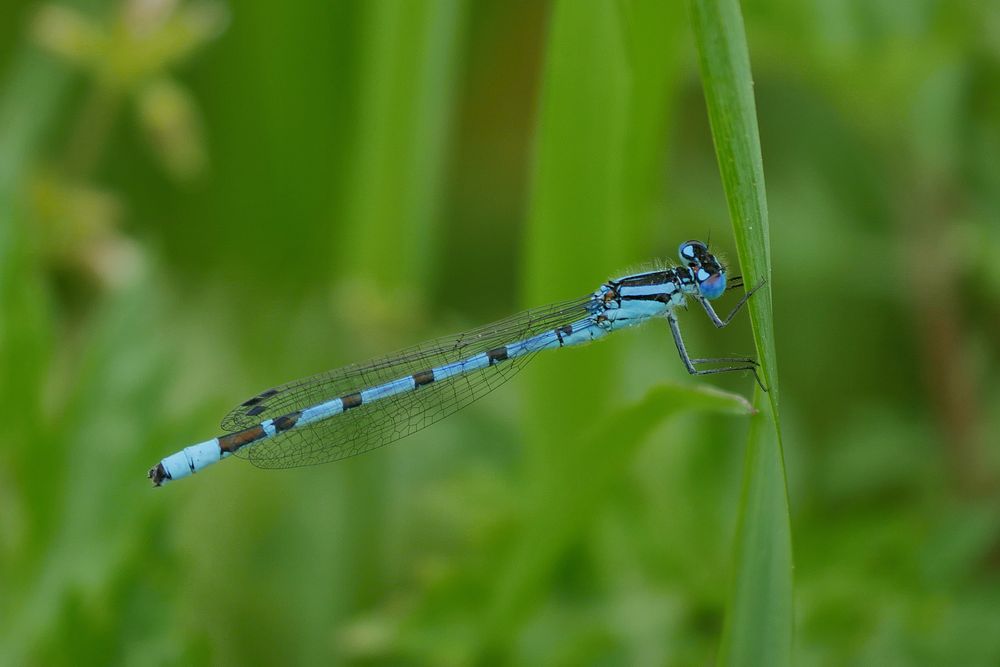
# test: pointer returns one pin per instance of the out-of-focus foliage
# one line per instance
(198, 201)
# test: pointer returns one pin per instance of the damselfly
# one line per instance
(358, 408)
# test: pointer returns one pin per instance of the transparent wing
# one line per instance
(378, 423)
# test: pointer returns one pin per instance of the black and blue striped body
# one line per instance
(625, 302)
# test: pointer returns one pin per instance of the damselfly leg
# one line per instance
(712, 315)
(735, 363)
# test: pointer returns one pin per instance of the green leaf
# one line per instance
(573, 498)
(759, 623)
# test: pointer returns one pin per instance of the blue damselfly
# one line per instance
(358, 408)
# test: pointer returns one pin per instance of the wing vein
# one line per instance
(375, 424)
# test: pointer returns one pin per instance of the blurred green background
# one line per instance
(200, 200)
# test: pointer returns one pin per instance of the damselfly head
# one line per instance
(708, 272)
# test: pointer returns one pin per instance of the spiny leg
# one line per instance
(689, 363)
(726, 360)
(719, 323)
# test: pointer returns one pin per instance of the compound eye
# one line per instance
(690, 251)
(711, 284)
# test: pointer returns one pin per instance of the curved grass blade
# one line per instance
(759, 623)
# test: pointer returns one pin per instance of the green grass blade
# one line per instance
(759, 623)
(725, 73)
(577, 195)
(409, 64)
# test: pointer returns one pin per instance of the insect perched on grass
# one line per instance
(358, 408)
